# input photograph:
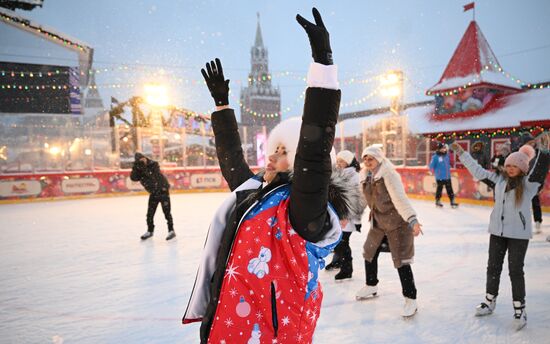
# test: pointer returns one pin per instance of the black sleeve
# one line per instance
(234, 168)
(135, 175)
(540, 166)
(312, 166)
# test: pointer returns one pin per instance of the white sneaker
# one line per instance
(409, 308)
(537, 229)
(520, 316)
(487, 307)
(367, 292)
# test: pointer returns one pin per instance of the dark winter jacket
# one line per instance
(302, 198)
(480, 156)
(543, 158)
(149, 175)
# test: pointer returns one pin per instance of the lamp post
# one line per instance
(156, 96)
(392, 87)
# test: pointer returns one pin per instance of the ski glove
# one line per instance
(217, 85)
(318, 38)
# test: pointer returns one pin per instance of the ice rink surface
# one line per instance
(76, 272)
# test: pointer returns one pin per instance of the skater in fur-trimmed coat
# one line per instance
(391, 215)
(342, 258)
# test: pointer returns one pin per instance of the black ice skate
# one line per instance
(147, 235)
(454, 205)
(438, 204)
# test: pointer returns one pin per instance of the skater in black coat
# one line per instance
(147, 172)
(543, 156)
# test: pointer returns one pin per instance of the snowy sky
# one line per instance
(171, 40)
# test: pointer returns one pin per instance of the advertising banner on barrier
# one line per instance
(19, 188)
(416, 180)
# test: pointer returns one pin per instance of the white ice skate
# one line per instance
(147, 235)
(537, 228)
(520, 316)
(487, 307)
(367, 292)
(171, 235)
(548, 238)
(409, 308)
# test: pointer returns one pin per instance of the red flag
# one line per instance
(469, 6)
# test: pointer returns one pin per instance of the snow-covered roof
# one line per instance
(529, 106)
(83, 50)
(472, 63)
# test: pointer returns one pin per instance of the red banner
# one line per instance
(417, 181)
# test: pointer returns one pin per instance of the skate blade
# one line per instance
(521, 326)
(364, 298)
(479, 314)
(343, 280)
(407, 316)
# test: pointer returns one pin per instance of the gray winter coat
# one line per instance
(507, 219)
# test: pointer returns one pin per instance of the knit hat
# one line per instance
(521, 158)
(287, 133)
(373, 151)
(441, 145)
(345, 155)
(478, 143)
(526, 137)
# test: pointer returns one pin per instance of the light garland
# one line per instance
(39, 30)
(494, 67)
(490, 133)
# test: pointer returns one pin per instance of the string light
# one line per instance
(39, 30)
(489, 133)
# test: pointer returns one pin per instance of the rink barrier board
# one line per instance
(15, 188)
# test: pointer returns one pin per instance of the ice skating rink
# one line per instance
(76, 272)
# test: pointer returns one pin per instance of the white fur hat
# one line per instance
(345, 155)
(287, 133)
(373, 151)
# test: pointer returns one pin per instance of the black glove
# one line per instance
(218, 86)
(318, 38)
(358, 227)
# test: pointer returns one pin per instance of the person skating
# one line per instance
(543, 156)
(267, 241)
(342, 258)
(497, 161)
(392, 216)
(148, 173)
(509, 225)
(479, 155)
(440, 166)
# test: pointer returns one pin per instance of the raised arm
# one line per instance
(471, 164)
(234, 168)
(312, 165)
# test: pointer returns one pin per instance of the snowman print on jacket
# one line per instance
(258, 266)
